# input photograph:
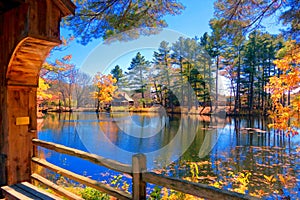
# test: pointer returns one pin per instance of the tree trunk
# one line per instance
(237, 97)
(217, 82)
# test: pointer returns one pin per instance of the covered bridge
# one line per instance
(29, 29)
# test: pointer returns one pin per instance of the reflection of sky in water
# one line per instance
(223, 142)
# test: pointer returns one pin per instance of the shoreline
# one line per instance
(202, 111)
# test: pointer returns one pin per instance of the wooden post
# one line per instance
(138, 185)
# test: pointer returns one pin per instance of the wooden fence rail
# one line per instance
(83, 180)
(138, 171)
(108, 163)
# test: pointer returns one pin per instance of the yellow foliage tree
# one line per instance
(105, 88)
(286, 114)
(42, 91)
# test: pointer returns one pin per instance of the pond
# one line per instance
(239, 154)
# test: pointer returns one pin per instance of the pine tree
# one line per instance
(138, 75)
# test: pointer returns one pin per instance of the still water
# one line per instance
(235, 154)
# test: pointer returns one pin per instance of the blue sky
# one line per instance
(97, 56)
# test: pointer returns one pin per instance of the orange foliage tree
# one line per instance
(105, 88)
(285, 89)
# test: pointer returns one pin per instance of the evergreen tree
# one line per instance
(252, 13)
(138, 75)
(163, 66)
(117, 73)
(102, 19)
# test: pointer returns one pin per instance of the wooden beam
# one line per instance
(111, 164)
(66, 6)
(84, 180)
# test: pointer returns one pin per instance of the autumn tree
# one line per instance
(104, 89)
(82, 89)
(60, 74)
(286, 115)
(62, 77)
(42, 91)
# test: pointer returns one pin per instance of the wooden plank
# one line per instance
(138, 185)
(19, 150)
(111, 164)
(36, 192)
(26, 191)
(56, 188)
(84, 180)
(15, 193)
(196, 189)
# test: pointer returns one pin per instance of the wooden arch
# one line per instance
(26, 61)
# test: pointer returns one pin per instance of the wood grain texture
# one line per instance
(19, 146)
(27, 60)
(138, 184)
(26, 191)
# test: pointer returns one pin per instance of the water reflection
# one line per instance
(221, 148)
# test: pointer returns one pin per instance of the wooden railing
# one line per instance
(140, 177)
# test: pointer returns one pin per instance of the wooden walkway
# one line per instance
(26, 191)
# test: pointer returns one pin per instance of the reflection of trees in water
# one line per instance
(252, 149)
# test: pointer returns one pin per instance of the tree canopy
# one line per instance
(103, 19)
(251, 13)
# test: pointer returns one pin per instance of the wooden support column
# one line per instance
(29, 29)
(138, 185)
(21, 120)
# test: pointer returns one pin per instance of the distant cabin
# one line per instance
(122, 99)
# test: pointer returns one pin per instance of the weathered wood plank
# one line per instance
(196, 189)
(84, 180)
(111, 164)
(19, 149)
(14, 193)
(26, 191)
(37, 192)
(138, 185)
(56, 188)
